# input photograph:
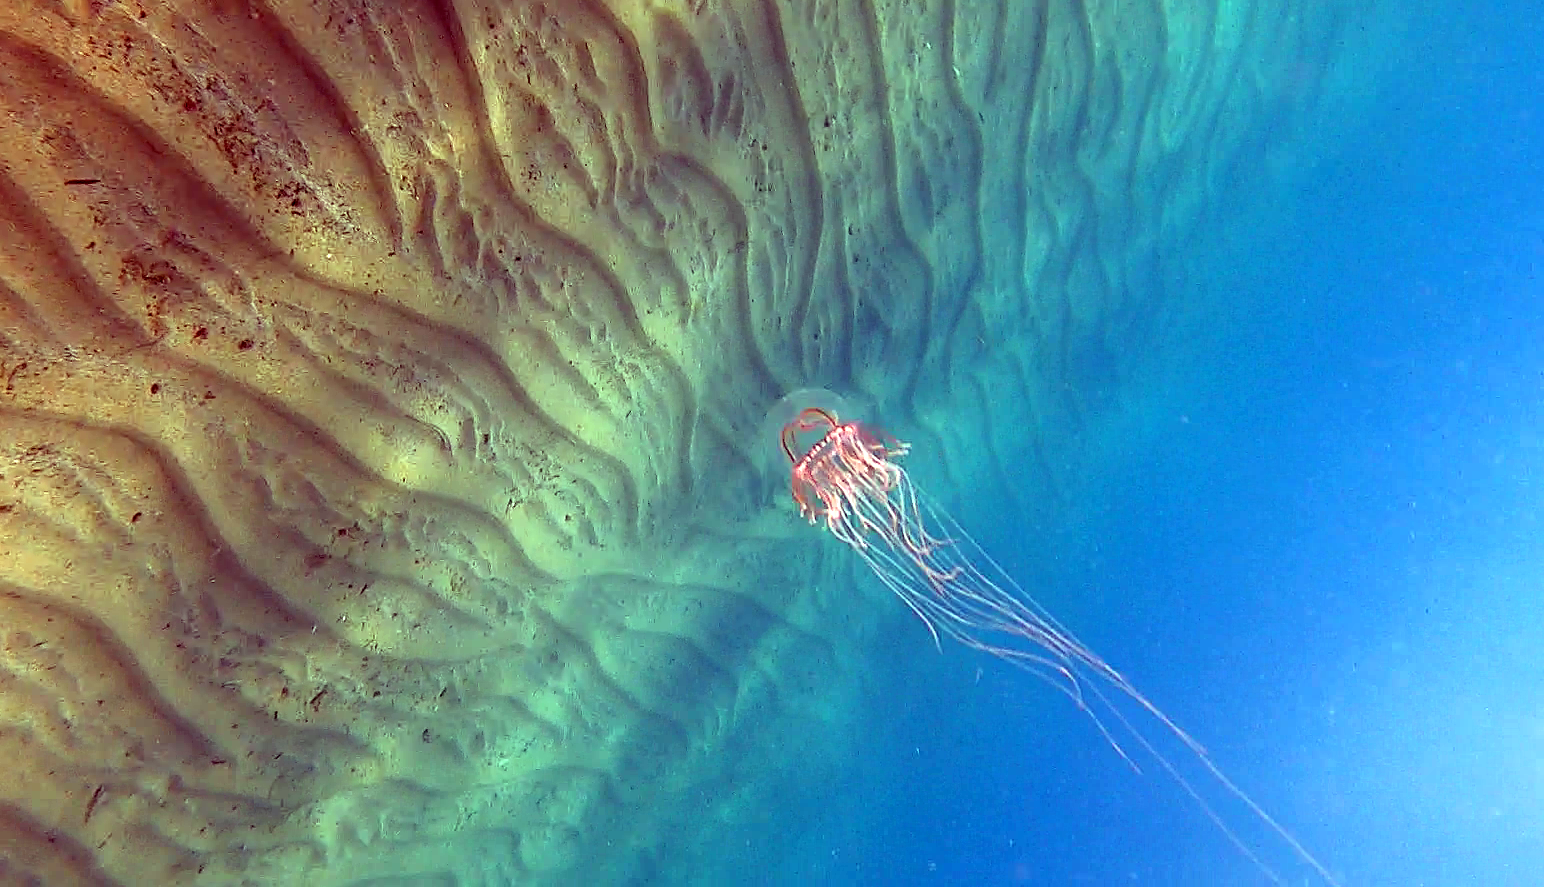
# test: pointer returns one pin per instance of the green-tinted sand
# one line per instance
(381, 495)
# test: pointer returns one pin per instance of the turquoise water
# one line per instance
(1327, 567)
(382, 498)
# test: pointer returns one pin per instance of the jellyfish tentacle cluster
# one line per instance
(845, 475)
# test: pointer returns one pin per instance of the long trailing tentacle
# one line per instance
(849, 480)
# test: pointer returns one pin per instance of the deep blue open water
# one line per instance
(1328, 565)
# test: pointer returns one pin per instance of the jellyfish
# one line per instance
(846, 477)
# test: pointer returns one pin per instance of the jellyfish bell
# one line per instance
(846, 476)
(772, 457)
(781, 414)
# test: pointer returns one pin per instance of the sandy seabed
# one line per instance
(381, 494)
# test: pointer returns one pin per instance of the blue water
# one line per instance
(1329, 567)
